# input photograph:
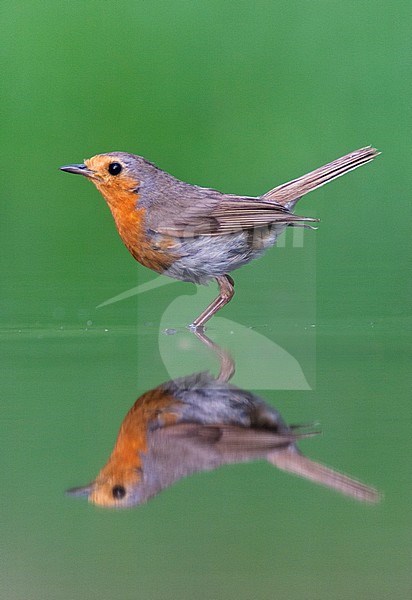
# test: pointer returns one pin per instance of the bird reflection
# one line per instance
(198, 423)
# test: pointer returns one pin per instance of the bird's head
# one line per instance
(112, 489)
(115, 174)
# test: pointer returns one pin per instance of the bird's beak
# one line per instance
(78, 170)
(80, 491)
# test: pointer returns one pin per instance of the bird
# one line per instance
(198, 423)
(197, 234)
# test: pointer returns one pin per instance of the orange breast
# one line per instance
(132, 438)
(129, 219)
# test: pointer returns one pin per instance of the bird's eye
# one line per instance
(114, 168)
(118, 492)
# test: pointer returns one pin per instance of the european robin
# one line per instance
(194, 233)
(198, 423)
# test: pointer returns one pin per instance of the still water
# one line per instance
(243, 530)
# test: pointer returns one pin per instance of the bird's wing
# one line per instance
(228, 440)
(229, 215)
(177, 451)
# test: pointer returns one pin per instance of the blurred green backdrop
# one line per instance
(239, 96)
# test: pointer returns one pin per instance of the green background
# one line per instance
(239, 96)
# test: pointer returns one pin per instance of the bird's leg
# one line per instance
(226, 293)
(227, 364)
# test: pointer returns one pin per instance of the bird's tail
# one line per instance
(289, 193)
(292, 461)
